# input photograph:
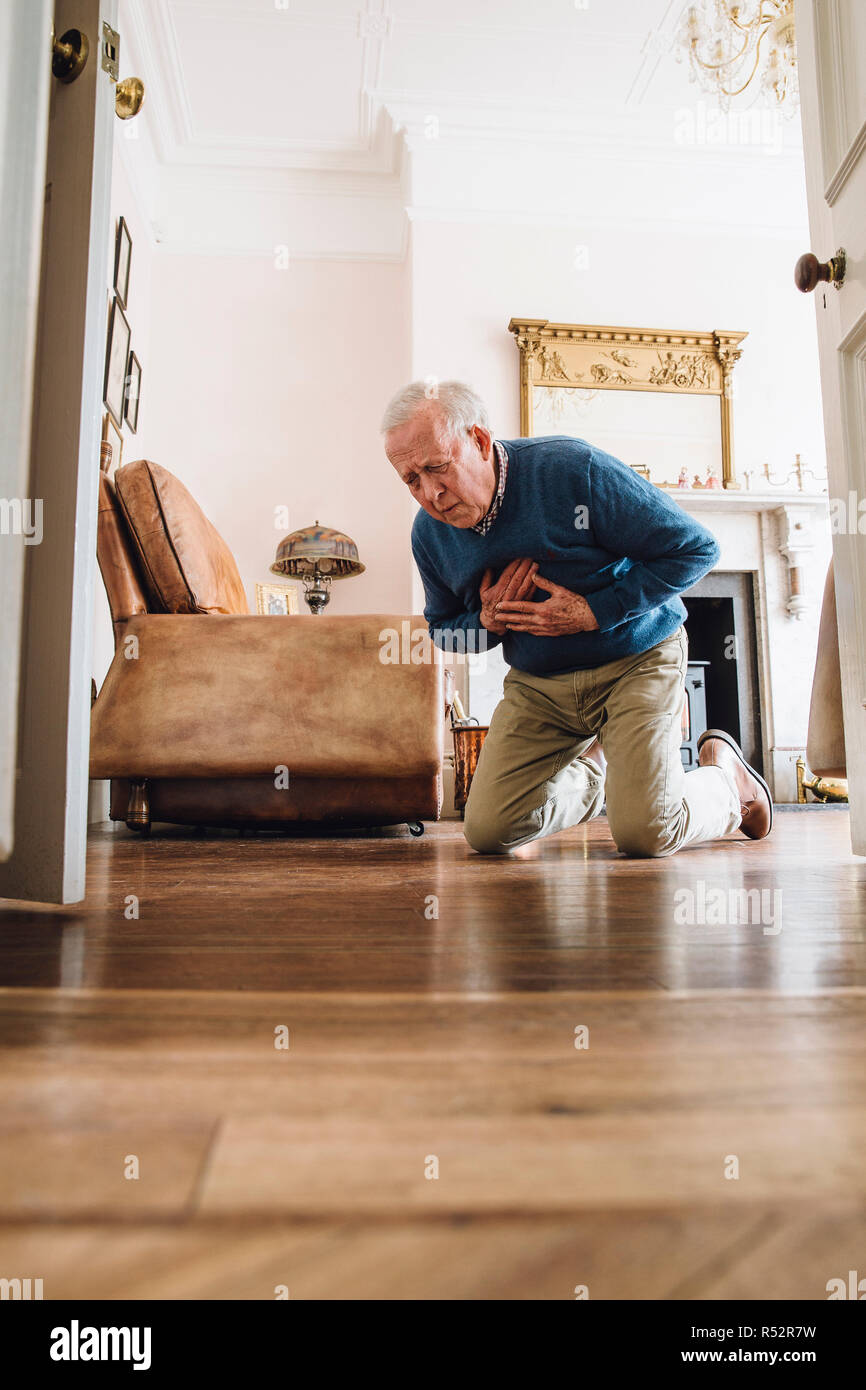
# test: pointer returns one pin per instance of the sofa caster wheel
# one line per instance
(415, 828)
(138, 809)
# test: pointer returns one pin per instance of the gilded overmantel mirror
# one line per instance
(658, 399)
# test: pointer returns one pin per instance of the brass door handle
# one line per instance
(128, 97)
(69, 55)
(809, 271)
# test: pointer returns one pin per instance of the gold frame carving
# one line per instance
(630, 359)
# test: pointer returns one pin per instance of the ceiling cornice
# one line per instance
(686, 221)
(651, 132)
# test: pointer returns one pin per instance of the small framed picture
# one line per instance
(133, 392)
(116, 359)
(122, 262)
(277, 599)
(114, 439)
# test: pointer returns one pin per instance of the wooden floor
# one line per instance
(431, 1000)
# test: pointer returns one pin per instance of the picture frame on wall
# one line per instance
(111, 435)
(133, 392)
(122, 261)
(116, 360)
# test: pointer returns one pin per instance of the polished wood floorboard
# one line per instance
(420, 1040)
(277, 913)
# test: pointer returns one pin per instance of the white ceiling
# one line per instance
(331, 94)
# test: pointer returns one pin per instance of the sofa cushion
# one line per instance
(186, 564)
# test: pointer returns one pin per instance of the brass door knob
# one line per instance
(129, 97)
(809, 271)
(69, 55)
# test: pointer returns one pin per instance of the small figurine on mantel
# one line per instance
(683, 479)
(713, 479)
(696, 482)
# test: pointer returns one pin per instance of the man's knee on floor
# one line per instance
(651, 841)
(489, 832)
(484, 834)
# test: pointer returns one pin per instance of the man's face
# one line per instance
(453, 479)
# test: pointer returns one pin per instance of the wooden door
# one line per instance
(831, 47)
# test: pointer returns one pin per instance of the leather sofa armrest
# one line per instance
(235, 696)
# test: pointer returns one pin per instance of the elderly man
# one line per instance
(575, 564)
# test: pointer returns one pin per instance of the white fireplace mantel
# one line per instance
(741, 500)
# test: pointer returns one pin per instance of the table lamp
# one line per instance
(316, 555)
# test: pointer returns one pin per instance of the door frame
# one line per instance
(25, 39)
(47, 863)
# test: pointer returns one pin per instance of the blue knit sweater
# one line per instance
(595, 527)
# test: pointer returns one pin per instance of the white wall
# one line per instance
(266, 390)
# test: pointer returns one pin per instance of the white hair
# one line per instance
(461, 407)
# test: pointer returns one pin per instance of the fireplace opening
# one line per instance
(722, 688)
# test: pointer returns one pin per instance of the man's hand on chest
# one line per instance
(562, 613)
(517, 581)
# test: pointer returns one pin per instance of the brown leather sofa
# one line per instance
(211, 716)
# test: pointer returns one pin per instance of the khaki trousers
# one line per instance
(532, 778)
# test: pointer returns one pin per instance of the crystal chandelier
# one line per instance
(728, 42)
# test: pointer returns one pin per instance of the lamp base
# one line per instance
(317, 593)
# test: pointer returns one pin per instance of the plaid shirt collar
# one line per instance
(492, 512)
